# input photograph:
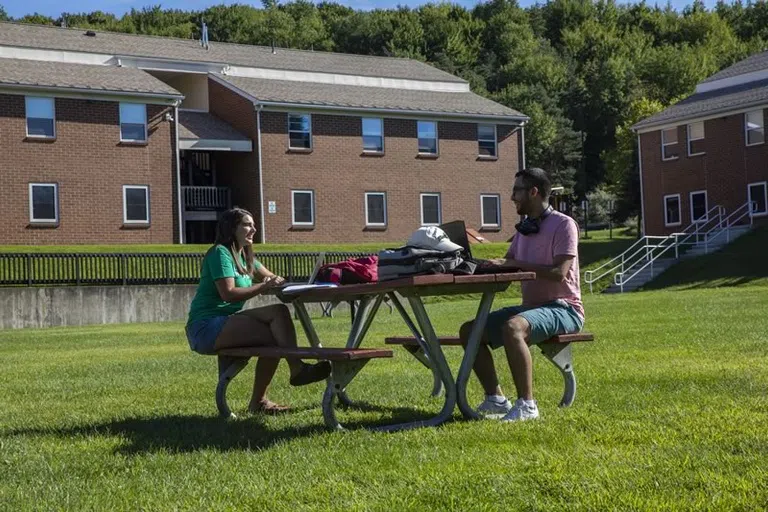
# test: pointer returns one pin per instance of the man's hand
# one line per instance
(497, 261)
(505, 263)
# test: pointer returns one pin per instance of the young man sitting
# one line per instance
(546, 242)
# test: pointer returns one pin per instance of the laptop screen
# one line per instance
(457, 232)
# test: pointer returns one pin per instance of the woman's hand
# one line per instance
(279, 279)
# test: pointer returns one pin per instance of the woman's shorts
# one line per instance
(202, 334)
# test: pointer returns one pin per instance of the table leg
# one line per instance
(361, 323)
(422, 353)
(438, 359)
(470, 354)
(306, 324)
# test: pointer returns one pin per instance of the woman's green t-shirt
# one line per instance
(217, 264)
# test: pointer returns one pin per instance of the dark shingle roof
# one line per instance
(756, 62)
(81, 76)
(712, 102)
(114, 43)
(203, 125)
(359, 97)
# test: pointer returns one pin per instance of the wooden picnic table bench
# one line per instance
(556, 349)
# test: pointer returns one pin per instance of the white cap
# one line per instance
(434, 238)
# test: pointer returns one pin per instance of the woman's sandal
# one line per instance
(311, 373)
(269, 407)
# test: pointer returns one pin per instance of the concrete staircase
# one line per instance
(660, 265)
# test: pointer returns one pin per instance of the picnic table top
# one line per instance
(423, 285)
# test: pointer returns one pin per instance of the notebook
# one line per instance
(295, 286)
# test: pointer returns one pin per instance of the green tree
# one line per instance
(4, 15)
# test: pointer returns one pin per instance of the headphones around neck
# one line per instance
(529, 226)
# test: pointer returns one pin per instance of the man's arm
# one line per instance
(556, 272)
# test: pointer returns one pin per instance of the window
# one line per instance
(490, 211)
(758, 196)
(669, 144)
(299, 131)
(427, 131)
(303, 207)
(41, 117)
(430, 209)
(754, 126)
(135, 204)
(699, 206)
(43, 202)
(672, 210)
(486, 140)
(695, 138)
(133, 122)
(375, 209)
(373, 135)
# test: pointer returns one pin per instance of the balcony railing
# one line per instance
(206, 198)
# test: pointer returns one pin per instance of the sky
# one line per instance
(54, 8)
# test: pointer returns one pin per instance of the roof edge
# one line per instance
(640, 128)
(92, 93)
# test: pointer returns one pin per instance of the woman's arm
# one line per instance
(228, 292)
(265, 274)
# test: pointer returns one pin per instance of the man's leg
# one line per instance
(516, 333)
(483, 367)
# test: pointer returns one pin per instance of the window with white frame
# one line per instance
(299, 131)
(373, 134)
(427, 132)
(672, 210)
(133, 122)
(490, 210)
(302, 207)
(758, 197)
(669, 149)
(699, 206)
(43, 202)
(754, 127)
(41, 117)
(375, 209)
(695, 133)
(135, 204)
(430, 209)
(486, 140)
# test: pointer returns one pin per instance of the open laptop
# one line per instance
(318, 263)
(457, 233)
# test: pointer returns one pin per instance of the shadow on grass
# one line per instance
(190, 433)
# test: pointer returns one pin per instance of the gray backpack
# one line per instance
(410, 261)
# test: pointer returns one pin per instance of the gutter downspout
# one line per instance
(261, 174)
(522, 143)
(178, 173)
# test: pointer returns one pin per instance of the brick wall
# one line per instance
(724, 171)
(90, 166)
(339, 174)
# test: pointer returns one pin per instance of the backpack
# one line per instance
(351, 271)
(409, 261)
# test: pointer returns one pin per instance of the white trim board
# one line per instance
(215, 145)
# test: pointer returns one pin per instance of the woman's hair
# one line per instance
(225, 235)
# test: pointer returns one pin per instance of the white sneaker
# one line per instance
(522, 411)
(493, 409)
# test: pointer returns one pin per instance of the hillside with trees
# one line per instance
(584, 71)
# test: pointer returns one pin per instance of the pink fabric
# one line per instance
(558, 235)
(360, 270)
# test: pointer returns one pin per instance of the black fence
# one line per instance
(28, 269)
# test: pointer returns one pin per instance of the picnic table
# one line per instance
(369, 297)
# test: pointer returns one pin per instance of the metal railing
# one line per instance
(79, 269)
(648, 248)
(206, 198)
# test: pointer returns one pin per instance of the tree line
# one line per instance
(583, 70)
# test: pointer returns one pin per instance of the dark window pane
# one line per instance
(673, 210)
(697, 146)
(43, 203)
(298, 123)
(372, 143)
(671, 151)
(376, 209)
(302, 208)
(757, 195)
(699, 205)
(136, 204)
(39, 127)
(427, 145)
(299, 140)
(431, 209)
(490, 211)
(486, 148)
(756, 136)
(131, 131)
(486, 132)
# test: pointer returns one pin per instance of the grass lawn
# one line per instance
(671, 414)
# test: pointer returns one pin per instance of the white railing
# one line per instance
(206, 198)
(647, 249)
(745, 210)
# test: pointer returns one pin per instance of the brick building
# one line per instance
(116, 138)
(707, 150)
